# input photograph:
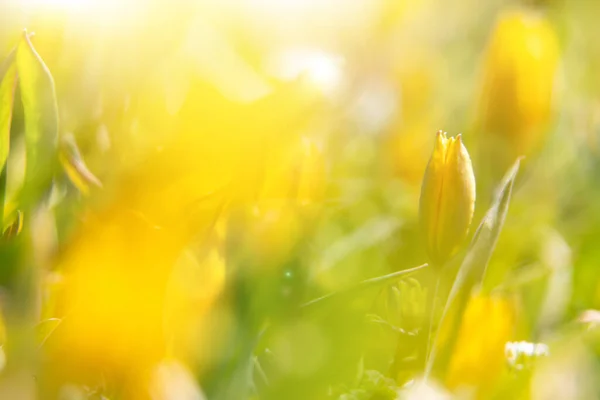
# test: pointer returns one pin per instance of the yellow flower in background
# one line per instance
(408, 149)
(520, 70)
(272, 231)
(220, 151)
(447, 198)
(197, 281)
(128, 298)
(130, 294)
(294, 181)
(478, 356)
(296, 172)
(113, 299)
(311, 179)
(416, 75)
(415, 78)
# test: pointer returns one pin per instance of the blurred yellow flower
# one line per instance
(447, 198)
(117, 294)
(520, 68)
(295, 172)
(407, 150)
(408, 144)
(272, 232)
(294, 180)
(115, 276)
(478, 356)
(193, 288)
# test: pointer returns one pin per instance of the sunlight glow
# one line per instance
(100, 12)
(63, 5)
(323, 69)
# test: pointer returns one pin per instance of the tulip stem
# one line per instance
(433, 302)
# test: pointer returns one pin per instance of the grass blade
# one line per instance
(8, 73)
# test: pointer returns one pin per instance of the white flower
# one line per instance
(520, 354)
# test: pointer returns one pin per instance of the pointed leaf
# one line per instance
(41, 115)
(485, 238)
(8, 74)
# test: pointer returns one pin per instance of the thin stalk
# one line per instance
(433, 302)
(366, 284)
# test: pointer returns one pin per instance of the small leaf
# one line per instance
(74, 166)
(41, 116)
(472, 269)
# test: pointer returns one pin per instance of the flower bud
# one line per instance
(447, 198)
(518, 83)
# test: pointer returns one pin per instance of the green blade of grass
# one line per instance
(8, 74)
(359, 287)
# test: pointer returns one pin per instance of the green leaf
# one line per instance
(8, 72)
(486, 237)
(44, 146)
(41, 117)
(472, 269)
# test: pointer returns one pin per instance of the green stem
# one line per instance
(433, 303)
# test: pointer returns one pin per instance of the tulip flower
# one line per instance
(292, 188)
(447, 198)
(520, 68)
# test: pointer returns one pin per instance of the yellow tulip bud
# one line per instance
(518, 83)
(478, 356)
(447, 198)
